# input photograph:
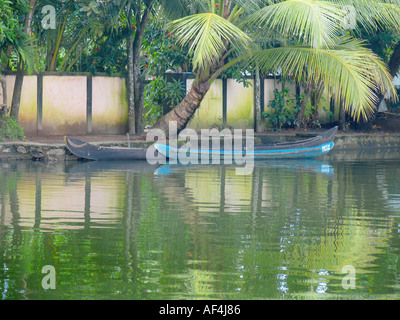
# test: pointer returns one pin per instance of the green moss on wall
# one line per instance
(240, 105)
(210, 111)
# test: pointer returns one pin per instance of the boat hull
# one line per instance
(296, 153)
(309, 148)
(88, 151)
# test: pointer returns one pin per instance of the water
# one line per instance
(133, 231)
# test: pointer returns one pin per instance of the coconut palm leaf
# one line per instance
(26, 49)
(351, 71)
(317, 23)
(207, 35)
(175, 9)
(371, 14)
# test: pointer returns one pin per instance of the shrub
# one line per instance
(160, 92)
(281, 113)
(10, 129)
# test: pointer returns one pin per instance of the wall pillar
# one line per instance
(39, 103)
(89, 106)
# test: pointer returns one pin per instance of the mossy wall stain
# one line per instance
(64, 105)
(28, 108)
(240, 105)
(27, 117)
(109, 105)
(210, 111)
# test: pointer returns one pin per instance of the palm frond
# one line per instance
(372, 14)
(207, 35)
(316, 23)
(27, 50)
(351, 71)
(175, 9)
(249, 6)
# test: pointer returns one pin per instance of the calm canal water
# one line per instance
(132, 231)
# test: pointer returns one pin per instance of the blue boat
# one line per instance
(308, 148)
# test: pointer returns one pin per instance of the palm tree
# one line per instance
(313, 48)
(212, 36)
(352, 73)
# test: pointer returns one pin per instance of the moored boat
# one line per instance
(307, 148)
(88, 151)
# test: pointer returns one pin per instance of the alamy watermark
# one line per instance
(350, 17)
(349, 281)
(49, 280)
(49, 18)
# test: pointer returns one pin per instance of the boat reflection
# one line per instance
(309, 165)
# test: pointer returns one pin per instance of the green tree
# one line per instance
(16, 43)
(133, 16)
(19, 79)
(97, 47)
(8, 29)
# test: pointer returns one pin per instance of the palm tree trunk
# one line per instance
(137, 74)
(58, 42)
(16, 98)
(393, 66)
(342, 116)
(134, 81)
(130, 85)
(303, 105)
(3, 106)
(50, 50)
(185, 110)
(316, 96)
(394, 63)
(257, 101)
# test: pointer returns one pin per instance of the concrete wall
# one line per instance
(69, 104)
(240, 104)
(227, 100)
(110, 106)
(211, 110)
(233, 103)
(64, 105)
(28, 107)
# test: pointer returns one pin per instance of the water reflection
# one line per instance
(132, 230)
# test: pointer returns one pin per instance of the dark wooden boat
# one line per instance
(90, 151)
(307, 148)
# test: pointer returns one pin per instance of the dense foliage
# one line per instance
(210, 39)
